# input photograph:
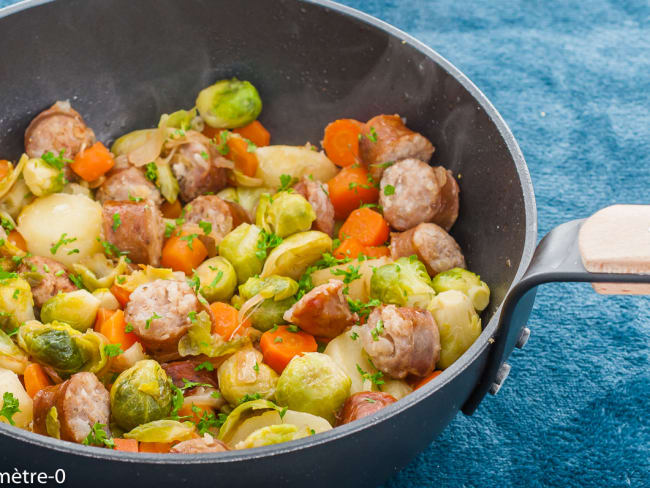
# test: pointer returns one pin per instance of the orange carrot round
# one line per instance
(183, 253)
(187, 411)
(125, 445)
(245, 160)
(351, 187)
(17, 240)
(376, 251)
(4, 168)
(155, 447)
(35, 379)
(349, 248)
(112, 326)
(226, 321)
(425, 380)
(256, 133)
(171, 210)
(366, 225)
(341, 141)
(122, 295)
(279, 346)
(93, 162)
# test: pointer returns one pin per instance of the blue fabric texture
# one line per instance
(572, 79)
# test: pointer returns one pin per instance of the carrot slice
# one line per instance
(341, 141)
(17, 240)
(183, 253)
(280, 346)
(376, 251)
(112, 326)
(5, 166)
(171, 210)
(156, 447)
(93, 162)
(367, 226)
(122, 295)
(424, 381)
(35, 379)
(349, 248)
(226, 321)
(126, 445)
(187, 411)
(350, 188)
(245, 160)
(256, 133)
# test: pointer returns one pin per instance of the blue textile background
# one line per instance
(572, 79)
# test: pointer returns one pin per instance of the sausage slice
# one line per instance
(323, 312)
(204, 444)
(53, 278)
(159, 312)
(135, 228)
(199, 169)
(80, 402)
(363, 404)
(387, 139)
(401, 340)
(180, 370)
(432, 245)
(59, 127)
(315, 193)
(222, 215)
(128, 185)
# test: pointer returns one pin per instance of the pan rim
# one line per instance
(477, 348)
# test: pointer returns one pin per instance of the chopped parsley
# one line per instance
(190, 239)
(194, 282)
(293, 328)
(111, 250)
(112, 350)
(207, 366)
(204, 155)
(57, 162)
(73, 251)
(128, 328)
(97, 437)
(222, 146)
(216, 279)
(15, 294)
(277, 340)
(208, 420)
(192, 316)
(376, 378)
(249, 398)
(151, 172)
(283, 412)
(135, 199)
(349, 275)
(188, 385)
(389, 190)
(373, 134)
(362, 309)
(286, 181)
(150, 319)
(266, 242)
(59, 273)
(6, 224)
(377, 330)
(256, 368)
(76, 279)
(250, 146)
(370, 400)
(10, 407)
(354, 336)
(62, 241)
(206, 227)
(177, 400)
(117, 221)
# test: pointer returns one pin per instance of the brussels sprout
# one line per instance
(242, 413)
(181, 119)
(52, 423)
(229, 104)
(466, 282)
(284, 214)
(77, 308)
(140, 395)
(244, 374)
(162, 431)
(16, 302)
(17, 198)
(10, 383)
(166, 182)
(200, 340)
(11, 356)
(41, 178)
(273, 434)
(106, 299)
(218, 279)
(458, 323)
(278, 293)
(240, 248)
(315, 384)
(404, 282)
(147, 275)
(296, 254)
(247, 197)
(8, 181)
(99, 264)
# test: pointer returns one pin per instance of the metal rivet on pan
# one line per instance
(502, 374)
(523, 337)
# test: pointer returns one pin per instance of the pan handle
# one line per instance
(611, 249)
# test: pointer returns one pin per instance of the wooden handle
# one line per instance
(617, 240)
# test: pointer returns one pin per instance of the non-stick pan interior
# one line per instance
(122, 63)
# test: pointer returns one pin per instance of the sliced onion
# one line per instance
(150, 150)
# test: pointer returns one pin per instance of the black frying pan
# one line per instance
(124, 62)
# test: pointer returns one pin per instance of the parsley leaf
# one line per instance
(62, 241)
(377, 330)
(112, 350)
(117, 221)
(207, 366)
(376, 378)
(389, 190)
(151, 172)
(10, 407)
(57, 162)
(97, 437)
(266, 242)
(249, 398)
(150, 319)
(128, 328)
(206, 227)
(190, 239)
(286, 181)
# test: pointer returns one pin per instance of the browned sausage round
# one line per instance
(387, 139)
(401, 340)
(135, 228)
(128, 185)
(204, 444)
(222, 215)
(432, 245)
(80, 402)
(198, 174)
(59, 127)
(363, 404)
(159, 312)
(323, 312)
(316, 194)
(411, 192)
(48, 279)
(180, 370)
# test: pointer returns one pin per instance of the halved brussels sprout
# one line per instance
(162, 431)
(106, 299)
(16, 301)
(41, 178)
(229, 104)
(284, 213)
(200, 340)
(76, 308)
(166, 181)
(404, 282)
(278, 293)
(458, 323)
(240, 414)
(243, 374)
(247, 197)
(297, 162)
(147, 275)
(315, 384)
(466, 282)
(11, 356)
(296, 254)
(140, 395)
(52, 423)
(99, 264)
(65, 349)
(218, 279)
(7, 182)
(17, 198)
(273, 434)
(181, 119)
(10, 383)
(239, 247)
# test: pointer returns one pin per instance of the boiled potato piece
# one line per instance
(294, 161)
(347, 351)
(9, 383)
(397, 388)
(359, 288)
(73, 221)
